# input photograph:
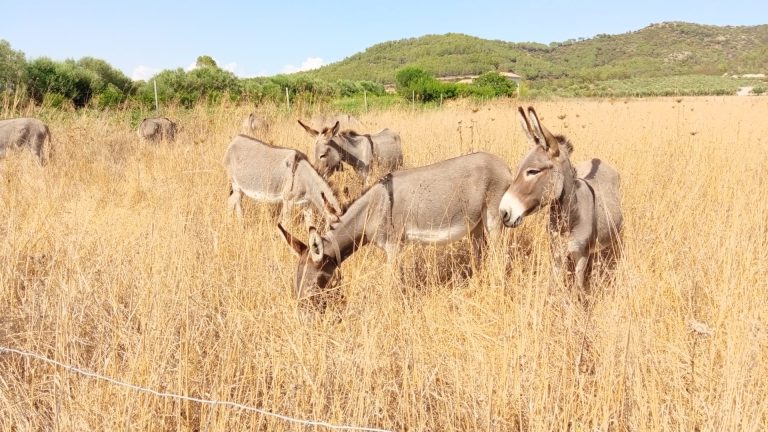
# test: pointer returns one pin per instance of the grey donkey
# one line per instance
(584, 201)
(277, 175)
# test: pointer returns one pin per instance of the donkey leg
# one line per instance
(559, 256)
(391, 248)
(39, 151)
(309, 218)
(580, 260)
(286, 212)
(477, 238)
(233, 202)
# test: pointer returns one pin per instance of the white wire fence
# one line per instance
(228, 404)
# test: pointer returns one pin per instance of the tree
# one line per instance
(205, 61)
(406, 77)
(415, 82)
(106, 73)
(500, 86)
(12, 67)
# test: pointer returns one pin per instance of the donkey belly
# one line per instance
(260, 195)
(263, 196)
(438, 235)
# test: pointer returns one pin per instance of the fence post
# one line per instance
(365, 99)
(157, 105)
(287, 100)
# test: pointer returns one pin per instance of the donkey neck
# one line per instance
(308, 183)
(563, 209)
(355, 150)
(359, 224)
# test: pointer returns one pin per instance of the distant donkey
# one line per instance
(157, 129)
(25, 132)
(255, 125)
(584, 202)
(277, 175)
(362, 151)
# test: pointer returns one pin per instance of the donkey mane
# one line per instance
(565, 142)
(385, 180)
(350, 133)
(299, 154)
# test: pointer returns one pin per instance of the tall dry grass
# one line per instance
(119, 257)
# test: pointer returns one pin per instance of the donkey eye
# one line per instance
(532, 172)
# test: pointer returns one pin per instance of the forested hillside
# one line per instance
(664, 49)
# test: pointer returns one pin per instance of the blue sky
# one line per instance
(265, 38)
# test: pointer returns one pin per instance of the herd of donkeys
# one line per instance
(472, 195)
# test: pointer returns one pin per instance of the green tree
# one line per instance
(205, 61)
(497, 84)
(12, 67)
(107, 74)
(407, 77)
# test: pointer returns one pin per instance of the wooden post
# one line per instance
(157, 105)
(287, 100)
(441, 99)
(365, 99)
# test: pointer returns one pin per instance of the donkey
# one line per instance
(276, 175)
(438, 203)
(25, 132)
(255, 125)
(584, 202)
(157, 129)
(346, 121)
(362, 151)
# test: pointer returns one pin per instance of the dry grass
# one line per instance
(119, 257)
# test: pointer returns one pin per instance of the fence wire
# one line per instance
(90, 374)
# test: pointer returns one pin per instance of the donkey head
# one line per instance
(316, 270)
(539, 179)
(327, 156)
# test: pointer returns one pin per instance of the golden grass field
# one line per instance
(120, 258)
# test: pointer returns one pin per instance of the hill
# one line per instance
(670, 48)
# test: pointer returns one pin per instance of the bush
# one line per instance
(493, 84)
(64, 78)
(110, 97)
(12, 67)
(407, 79)
(56, 100)
(415, 82)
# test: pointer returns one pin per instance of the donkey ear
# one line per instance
(309, 130)
(550, 143)
(332, 211)
(335, 128)
(526, 126)
(315, 246)
(296, 245)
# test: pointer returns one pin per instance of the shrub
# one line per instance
(493, 84)
(12, 67)
(111, 96)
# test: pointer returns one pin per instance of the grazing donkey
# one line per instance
(255, 125)
(157, 129)
(584, 202)
(276, 175)
(362, 151)
(346, 121)
(437, 203)
(25, 132)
